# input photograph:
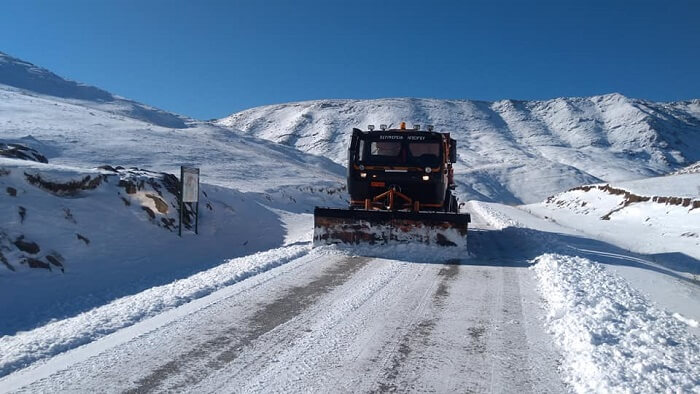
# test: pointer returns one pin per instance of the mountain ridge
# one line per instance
(29, 77)
(560, 143)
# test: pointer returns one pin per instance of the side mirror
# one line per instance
(453, 151)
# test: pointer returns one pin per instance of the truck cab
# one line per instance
(415, 165)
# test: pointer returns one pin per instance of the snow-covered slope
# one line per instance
(29, 77)
(691, 169)
(509, 151)
(84, 236)
(73, 134)
(654, 215)
(56, 132)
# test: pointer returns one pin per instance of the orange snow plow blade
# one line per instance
(357, 226)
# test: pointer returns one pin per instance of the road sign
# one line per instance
(189, 193)
(190, 184)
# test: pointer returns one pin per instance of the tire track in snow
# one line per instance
(90, 326)
(418, 333)
(334, 350)
(209, 356)
(487, 333)
(508, 337)
(483, 340)
(112, 359)
(464, 327)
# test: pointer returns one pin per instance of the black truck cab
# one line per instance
(417, 164)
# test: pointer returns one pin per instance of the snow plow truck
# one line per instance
(401, 184)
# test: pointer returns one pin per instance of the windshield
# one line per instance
(400, 153)
(391, 149)
(425, 153)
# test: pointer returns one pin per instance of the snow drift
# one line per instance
(612, 337)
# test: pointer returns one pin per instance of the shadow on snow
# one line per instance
(517, 247)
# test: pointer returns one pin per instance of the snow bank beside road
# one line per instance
(493, 217)
(25, 348)
(611, 337)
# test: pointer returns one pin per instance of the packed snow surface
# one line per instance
(328, 321)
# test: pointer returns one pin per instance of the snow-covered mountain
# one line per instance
(509, 151)
(31, 78)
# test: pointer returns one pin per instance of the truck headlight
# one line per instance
(363, 175)
(425, 177)
(427, 170)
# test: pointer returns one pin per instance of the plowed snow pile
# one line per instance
(612, 338)
(623, 308)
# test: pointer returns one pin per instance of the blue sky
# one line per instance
(208, 59)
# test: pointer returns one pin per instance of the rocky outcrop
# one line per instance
(151, 196)
(17, 151)
(27, 252)
(628, 198)
(161, 191)
(69, 188)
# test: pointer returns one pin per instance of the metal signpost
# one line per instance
(189, 192)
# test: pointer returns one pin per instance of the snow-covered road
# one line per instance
(327, 321)
(332, 322)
